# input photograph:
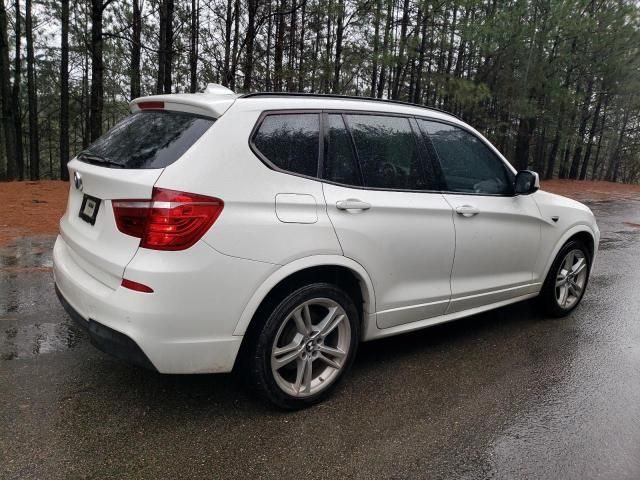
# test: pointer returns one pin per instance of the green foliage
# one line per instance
(528, 73)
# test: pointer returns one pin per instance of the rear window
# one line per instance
(290, 141)
(151, 139)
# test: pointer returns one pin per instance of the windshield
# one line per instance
(151, 139)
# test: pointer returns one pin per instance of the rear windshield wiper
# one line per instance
(96, 159)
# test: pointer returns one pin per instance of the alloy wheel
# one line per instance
(311, 347)
(571, 279)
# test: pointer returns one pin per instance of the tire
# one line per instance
(281, 350)
(561, 293)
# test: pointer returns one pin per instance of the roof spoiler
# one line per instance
(212, 102)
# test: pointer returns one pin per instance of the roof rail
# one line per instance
(350, 97)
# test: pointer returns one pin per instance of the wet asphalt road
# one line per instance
(508, 394)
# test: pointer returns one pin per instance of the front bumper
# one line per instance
(185, 326)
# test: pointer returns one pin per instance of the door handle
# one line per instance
(352, 204)
(467, 210)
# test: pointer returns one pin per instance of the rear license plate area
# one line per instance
(89, 209)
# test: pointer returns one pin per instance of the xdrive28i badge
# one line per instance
(77, 181)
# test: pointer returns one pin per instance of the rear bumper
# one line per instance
(107, 339)
(185, 326)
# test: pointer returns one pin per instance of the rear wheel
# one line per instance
(305, 346)
(567, 280)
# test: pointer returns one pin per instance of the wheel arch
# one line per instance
(582, 233)
(336, 269)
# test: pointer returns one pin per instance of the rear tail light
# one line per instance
(169, 221)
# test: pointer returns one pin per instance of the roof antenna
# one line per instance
(217, 89)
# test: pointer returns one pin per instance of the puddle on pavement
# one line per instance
(27, 253)
(26, 283)
(26, 292)
(619, 222)
(612, 240)
(26, 287)
(37, 339)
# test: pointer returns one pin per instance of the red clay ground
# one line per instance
(585, 190)
(31, 208)
(34, 208)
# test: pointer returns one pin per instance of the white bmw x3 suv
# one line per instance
(277, 231)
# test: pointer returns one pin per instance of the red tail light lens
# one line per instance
(169, 221)
(138, 287)
(150, 105)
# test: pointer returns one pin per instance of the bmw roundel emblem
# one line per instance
(77, 181)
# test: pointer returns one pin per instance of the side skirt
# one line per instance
(374, 333)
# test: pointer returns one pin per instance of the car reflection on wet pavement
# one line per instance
(506, 394)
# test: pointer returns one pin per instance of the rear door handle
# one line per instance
(352, 204)
(467, 210)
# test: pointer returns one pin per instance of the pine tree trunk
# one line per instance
(136, 45)
(525, 127)
(385, 48)
(8, 124)
(564, 171)
(279, 48)
(555, 146)
(228, 24)
(447, 89)
(614, 161)
(316, 50)
(168, 58)
(234, 51)
(85, 103)
(582, 130)
(400, 59)
(252, 8)
(34, 136)
(460, 58)
(592, 134)
(291, 53)
(597, 165)
(417, 92)
(301, 48)
(17, 108)
(376, 47)
(97, 71)
(193, 51)
(339, 38)
(268, 52)
(540, 150)
(165, 46)
(325, 81)
(412, 55)
(64, 91)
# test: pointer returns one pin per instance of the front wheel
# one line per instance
(567, 280)
(306, 345)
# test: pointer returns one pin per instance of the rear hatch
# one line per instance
(124, 164)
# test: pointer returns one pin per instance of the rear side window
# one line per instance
(468, 164)
(151, 139)
(387, 152)
(290, 141)
(340, 163)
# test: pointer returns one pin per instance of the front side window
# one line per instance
(387, 152)
(151, 139)
(468, 165)
(290, 141)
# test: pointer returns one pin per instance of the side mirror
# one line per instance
(527, 182)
